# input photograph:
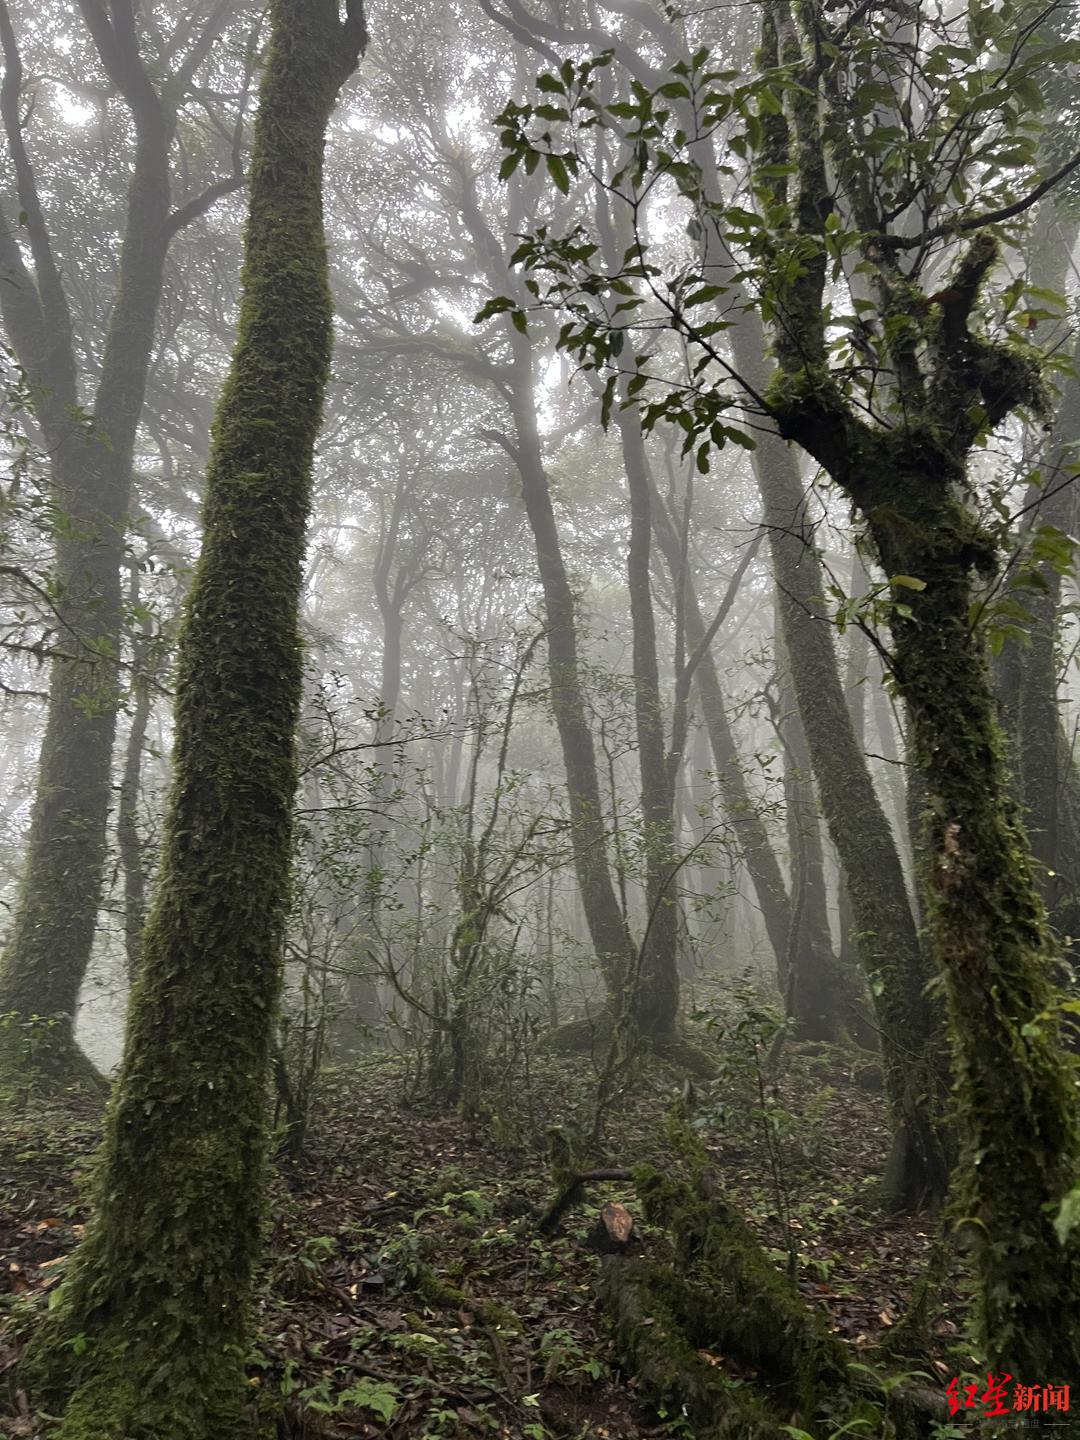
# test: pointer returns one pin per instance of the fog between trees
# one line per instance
(635, 674)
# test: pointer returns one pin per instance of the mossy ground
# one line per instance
(405, 1273)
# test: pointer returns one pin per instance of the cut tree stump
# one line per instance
(613, 1231)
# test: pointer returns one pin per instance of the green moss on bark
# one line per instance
(1016, 1115)
(743, 1304)
(149, 1333)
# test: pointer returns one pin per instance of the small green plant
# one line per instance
(378, 1396)
(565, 1358)
(749, 1042)
(30, 1034)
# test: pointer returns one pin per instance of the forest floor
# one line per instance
(408, 1291)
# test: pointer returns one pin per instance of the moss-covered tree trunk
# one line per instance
(1016, 1112)
(1016, 1105)
(158, 1294)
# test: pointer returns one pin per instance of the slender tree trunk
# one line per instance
(754, 843)
(815, 995)
(1037, 701)
(855, 670)
(128, 836)
(158, 1294)
(896, 968)
(607, 929)
(657, 989)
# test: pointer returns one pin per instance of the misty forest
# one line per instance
(539, 719)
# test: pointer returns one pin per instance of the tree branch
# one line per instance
(976, 222)
(185, 214)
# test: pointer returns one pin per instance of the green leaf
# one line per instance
(495, 306)
(375, 1395)
(557, 171)
(769, 102)
(907, 582)
(706, 293)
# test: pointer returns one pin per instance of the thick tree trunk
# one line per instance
(1016, 1113)
(56, 913)
(158, 1294)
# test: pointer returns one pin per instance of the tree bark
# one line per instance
(608, 932)
(895, 966)
(607, 929)
(1016, 1117)
(129, 839)
(754, 843)
(159, 1292)
(815, 993)
(656, 996)
(51, 940)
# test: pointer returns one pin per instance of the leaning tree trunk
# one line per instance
(159, 1293)
(607, 927)
(889, 943)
